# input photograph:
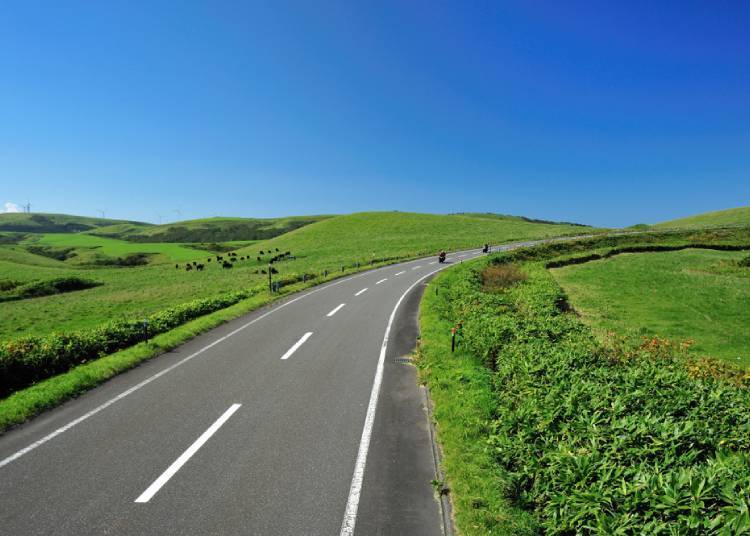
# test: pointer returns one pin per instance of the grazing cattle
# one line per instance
(274, 270)
(219, 258)
(226, 264)
(261, 252)
(263, 272)
(195, 263)
(177, 266)
(209, 259)
(277, 249)
(188, 267)
(258, 258)
(199, 267)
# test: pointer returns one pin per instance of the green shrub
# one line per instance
(31, 359)
(588, 438)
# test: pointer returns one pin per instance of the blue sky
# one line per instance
(604, 113)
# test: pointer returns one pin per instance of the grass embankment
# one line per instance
(545, 429)
(701, 295)
(730, 218)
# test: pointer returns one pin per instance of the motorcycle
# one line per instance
(441, 257)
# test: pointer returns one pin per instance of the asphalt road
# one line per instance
(294, 419)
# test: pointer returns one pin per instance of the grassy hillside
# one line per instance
(55, 223)
(720, 218)
(699, 295)
(209, 230)
(368, 235)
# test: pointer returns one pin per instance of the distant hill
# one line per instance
(720, 218)
(493, 216)
(55, 223)
(208, 230)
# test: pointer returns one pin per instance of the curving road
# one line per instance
(294, 419)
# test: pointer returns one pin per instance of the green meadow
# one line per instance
(730, 217)
(698, 295)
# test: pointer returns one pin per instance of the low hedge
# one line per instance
(48, 287)
(30, 359)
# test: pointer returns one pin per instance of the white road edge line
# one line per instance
(401, 273)
(335, 310)
(361, 291)
(105, 405)
(296, 346)
(185, 456)
(384, 279)
(355, 490)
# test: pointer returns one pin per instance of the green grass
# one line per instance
(368, 235)
(88, 247)
(462, 393)
(720, 218)
(701, 295)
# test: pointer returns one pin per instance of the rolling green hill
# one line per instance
(367, 235)
(209, 229)
(56, 223)
(719, 218)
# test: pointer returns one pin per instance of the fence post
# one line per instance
(270, 282)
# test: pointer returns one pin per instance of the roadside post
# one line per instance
(270, 282)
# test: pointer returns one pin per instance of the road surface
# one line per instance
(295, 419)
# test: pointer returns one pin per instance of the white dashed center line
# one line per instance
(433, 262)
(296, 346)
(361, 291)
(336, 310)
(416, 268)
(384, 279)
(185, 456)
(400, 273)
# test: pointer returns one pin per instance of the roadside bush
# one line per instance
(30, 359)
(606, 439)
(132, 259)
(497, 277)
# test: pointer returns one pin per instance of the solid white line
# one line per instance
(296, 346)
(401, 273)
(355, 490)
(185, 456)
(361, 291)
(336, 310)
(384, 279)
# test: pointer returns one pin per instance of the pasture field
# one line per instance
(730, 217)
(88, 247)
(698, 295)
(137, 291)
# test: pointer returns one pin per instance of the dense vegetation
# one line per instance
(548, 429)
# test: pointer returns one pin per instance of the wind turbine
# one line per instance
(178, 212)
(159, 216)
(103, 213)
(27, 207)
